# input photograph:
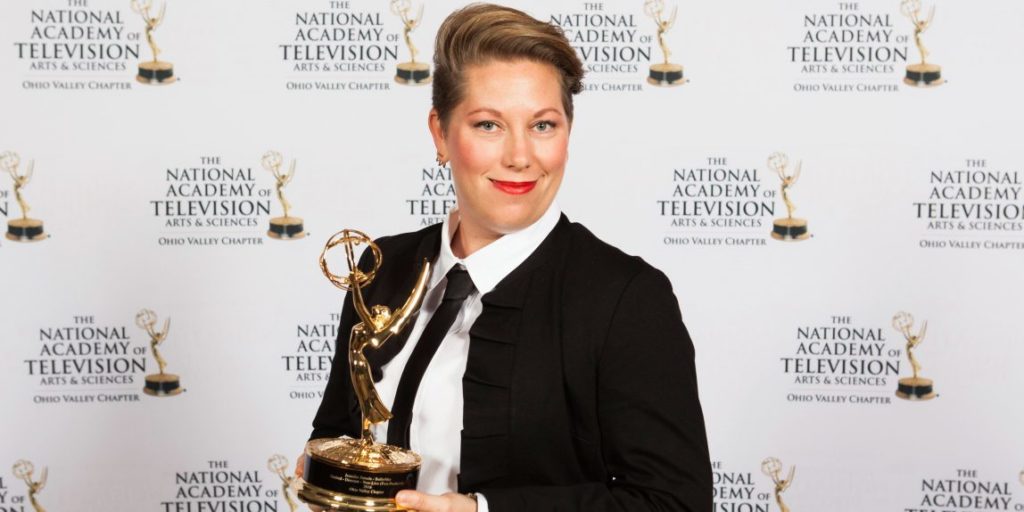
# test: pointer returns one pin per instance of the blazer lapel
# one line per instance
(488, 381)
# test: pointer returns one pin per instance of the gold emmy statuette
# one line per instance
(664, 73)
(285, 227)
(789, 228)
(24, 229)
(155, 71)
(359, 474)
(279, 465)
(412, 72)
(772, 468)
(158, 384)
(23, 469)
(921, 74)
(916, 387)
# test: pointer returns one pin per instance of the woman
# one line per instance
(565, 380)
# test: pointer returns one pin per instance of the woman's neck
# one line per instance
(468, 239)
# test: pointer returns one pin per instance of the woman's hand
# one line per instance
(300, 465)
(447, 502)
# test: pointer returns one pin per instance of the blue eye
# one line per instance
(486, 125)
(545, 126)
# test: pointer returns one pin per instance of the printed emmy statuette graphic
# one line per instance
(285, 227)
(23, 470)
(279, 465)
(360, 474)
(916, 387)
(24, 229)
(921, 74)
(789, 228)
(156, 71)
(158, 384)
(772, 468)
(411, 72)
(665, 73)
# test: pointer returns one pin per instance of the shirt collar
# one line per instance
(490, 264)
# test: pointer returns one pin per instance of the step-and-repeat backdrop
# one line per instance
(833, 187)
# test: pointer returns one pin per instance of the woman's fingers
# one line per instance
(449, 502)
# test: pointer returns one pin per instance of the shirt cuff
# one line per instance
(481, 503)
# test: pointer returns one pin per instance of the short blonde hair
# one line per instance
(480, 33)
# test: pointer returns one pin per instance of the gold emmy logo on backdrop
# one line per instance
(23, 469)
(158, 384)
(24, 229)
(411, 72)
(916, 387)
(772, 468)
(359, 474)
(921, 74)
(665, 73)
(155, 71)
(279, 465)
(790, 228)
(286, 227)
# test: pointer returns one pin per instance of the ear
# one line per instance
(437, 132)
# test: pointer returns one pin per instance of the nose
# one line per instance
(517, 151)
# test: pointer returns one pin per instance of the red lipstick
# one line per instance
(514, 187)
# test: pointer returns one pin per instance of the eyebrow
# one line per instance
(496, 113)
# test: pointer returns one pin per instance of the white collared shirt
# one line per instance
(436, 429)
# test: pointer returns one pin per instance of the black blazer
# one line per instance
(580, 391)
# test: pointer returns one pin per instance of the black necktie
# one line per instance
(458, 288)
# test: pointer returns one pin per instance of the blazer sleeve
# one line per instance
(652, 432)
(334, 417)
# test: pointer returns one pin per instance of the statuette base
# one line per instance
(790, 230)
(286, 228)
(924, 75)
(162, 384)
(413, 73)
(25, 230)
(156, 73)
(354, 475)
(916, 388)
(666, 75)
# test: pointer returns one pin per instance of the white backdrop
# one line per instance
(246, 309)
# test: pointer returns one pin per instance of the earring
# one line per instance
(441, 162)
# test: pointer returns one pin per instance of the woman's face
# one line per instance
(507, 141)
